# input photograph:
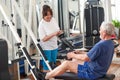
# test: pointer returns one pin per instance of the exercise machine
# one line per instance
(4, 72)
(94, 32)
(35, 71)
(94, 16)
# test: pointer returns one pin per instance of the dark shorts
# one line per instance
(84, 72)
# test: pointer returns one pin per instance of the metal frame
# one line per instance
(24, 50)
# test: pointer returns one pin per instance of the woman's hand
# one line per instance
(60, 32)
(57, 33)
(47, 37)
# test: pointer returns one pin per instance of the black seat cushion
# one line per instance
(107, 77)
(72, 76)
(4, 72)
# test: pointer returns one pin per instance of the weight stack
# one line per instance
(94, 16)
(4, 72)
(92, 40)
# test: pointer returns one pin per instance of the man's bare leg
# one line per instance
(66, 65)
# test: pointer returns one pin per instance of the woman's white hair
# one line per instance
(108, 27)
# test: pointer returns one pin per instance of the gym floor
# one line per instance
(115, 69)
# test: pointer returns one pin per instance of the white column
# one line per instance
(117, 6)
(23, 30)
(55, 9)
(107, 10)
(34, 25)
(29, 23)
(66, 17)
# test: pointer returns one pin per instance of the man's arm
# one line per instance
(82, 56)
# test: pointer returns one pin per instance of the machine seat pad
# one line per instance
(73, 76)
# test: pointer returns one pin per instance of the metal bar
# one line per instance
(82, 25)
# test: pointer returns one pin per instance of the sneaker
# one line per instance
(40, 75)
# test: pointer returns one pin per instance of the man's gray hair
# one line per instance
(108, 27)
